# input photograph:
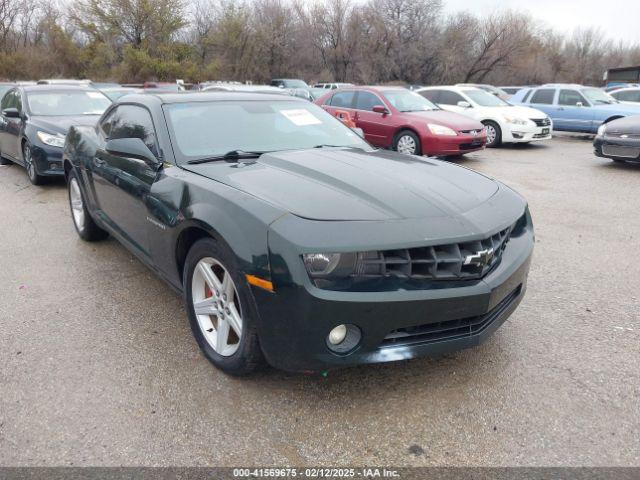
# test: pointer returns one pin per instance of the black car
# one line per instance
(619, 140)
(34, 121)
(291, 238)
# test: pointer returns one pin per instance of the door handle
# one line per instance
(98, 162)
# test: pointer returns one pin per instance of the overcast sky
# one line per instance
(619, 19)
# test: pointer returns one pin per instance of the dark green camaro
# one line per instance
(290, 238)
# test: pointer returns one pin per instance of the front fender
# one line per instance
(181, 201)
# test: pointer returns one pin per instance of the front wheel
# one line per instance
(220, 308)
(494, 134)
(408, 143)
(29, 163)
(85, 225)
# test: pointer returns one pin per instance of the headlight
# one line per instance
(517, 121)
(55, 140)
(336, 271)
(441, 130)
(602, 129)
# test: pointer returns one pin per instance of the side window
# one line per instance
(366, 101)
(627, 96)
(342, 99)
(571, 97)
(131, 121)
(433, 95)
(105, 125)
(8, 101)
(450, 98)
(543, 96)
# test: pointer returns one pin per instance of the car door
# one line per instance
(122, 183)
(342, 100)
(377, 127)
(573, 112)
(11, 127)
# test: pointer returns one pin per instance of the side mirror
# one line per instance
(381, 109)
(464, 104)
(11, 112)
(358, 131)
(579, 104)
(131, 147)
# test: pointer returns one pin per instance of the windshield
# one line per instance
(203, 130)
(295, 84)
(67, 103)
(597, 96)
(117, 93)
(406, 101)
(485, 99)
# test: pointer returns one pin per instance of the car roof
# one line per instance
(201, 97)
(558, 85)
(624, 89)
(59, 88)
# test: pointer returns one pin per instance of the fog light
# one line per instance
(337, 335)
(344, 338)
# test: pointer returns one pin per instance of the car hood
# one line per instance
(621, 108)
(352, 184)
(521, 112)
(62, 124)
(452, 120)
(622, 126)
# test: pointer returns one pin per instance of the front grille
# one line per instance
(469, 146)
(541, 135)
(541, 122)
(454, 261)
(621, 151)
(450, 329)
(475, 132)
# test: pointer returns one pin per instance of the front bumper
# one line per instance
(616, 148)
(440, 145)
(48, 160)
(526, 133)
(295, 321)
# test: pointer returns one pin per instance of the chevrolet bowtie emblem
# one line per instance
(480, 259)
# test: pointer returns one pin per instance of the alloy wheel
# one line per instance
(77, 206)
(491, 134)
(217, 306)
(28, 161)
(406, 145)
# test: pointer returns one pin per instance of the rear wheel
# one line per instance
(220, 308)
(494, 133)
(408, 143)
(85, 226)
(30, 165)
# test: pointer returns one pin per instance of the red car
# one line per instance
(394, 117)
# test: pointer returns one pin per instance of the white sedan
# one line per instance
(505, 123)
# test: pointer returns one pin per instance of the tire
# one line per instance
(408, 143)
(238, 352)
(496, 133)
(86, 227)
(32, 173)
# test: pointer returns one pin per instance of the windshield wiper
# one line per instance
(326, 145)
(230, 155)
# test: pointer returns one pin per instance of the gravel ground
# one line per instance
(98, 365)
